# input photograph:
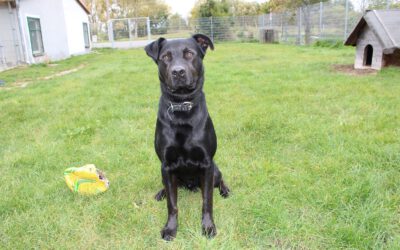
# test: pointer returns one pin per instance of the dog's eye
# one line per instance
(189, 54)
(166, 58)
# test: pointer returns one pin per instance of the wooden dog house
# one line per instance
(377, 39)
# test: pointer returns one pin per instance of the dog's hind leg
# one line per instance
(160, 195)
(219, 182)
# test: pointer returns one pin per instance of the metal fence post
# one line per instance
(282, 30)
(263, 20)
(270, 19)
(129, 29)
(110, 33)
(211, 29)
(346, 19)
(321, 9)
(148, 29)
(298, 40)
(285, 27)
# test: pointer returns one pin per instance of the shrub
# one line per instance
(329, 43)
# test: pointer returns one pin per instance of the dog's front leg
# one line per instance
(207, 186)
(170, 185)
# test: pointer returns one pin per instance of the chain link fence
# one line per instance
(322, 21)
(333, 20)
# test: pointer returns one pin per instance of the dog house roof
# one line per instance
(384, 24)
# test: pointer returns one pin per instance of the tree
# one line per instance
(377, 4)
(210, 8)
(216, 8)
(395, 5)
(157, 10)
(205, 16)
(241, 8)
(104, 10)
(176, 22)
(382, 4)
(154, 9)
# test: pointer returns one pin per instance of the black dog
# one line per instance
(185, 140)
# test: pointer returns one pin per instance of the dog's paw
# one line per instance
(209, 229)
(224, 191)
(160, 195)
(168, 234)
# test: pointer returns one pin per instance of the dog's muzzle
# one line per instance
(180, 80)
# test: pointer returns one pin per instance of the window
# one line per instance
(35, 33)
(86, 35)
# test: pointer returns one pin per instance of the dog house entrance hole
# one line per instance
(368, 52)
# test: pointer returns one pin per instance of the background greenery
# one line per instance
(311, 155)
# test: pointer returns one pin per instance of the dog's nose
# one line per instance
(178, 71)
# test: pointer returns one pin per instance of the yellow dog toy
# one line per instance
(86, 180)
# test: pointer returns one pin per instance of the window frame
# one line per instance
(86, 35)
(39, 52)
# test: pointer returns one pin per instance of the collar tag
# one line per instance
(185, 106)
(180, 107)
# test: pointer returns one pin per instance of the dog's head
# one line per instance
(180, 62)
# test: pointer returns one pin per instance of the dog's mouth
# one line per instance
(182, 90)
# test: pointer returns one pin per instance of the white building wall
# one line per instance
(53, 28)
(368, 37)
(75, 16)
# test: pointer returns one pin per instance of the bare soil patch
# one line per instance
(349, 69)
(23, 84)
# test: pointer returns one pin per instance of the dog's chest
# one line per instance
(185, 151)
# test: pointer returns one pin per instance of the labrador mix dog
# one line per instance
(185, 140)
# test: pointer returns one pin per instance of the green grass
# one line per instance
(311, 155)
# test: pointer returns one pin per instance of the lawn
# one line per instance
(311, 155)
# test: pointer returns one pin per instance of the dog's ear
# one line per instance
(204, 42)
(153, 49)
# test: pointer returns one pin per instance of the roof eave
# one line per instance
(12, 2)
(83, 7)
(352, 38)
